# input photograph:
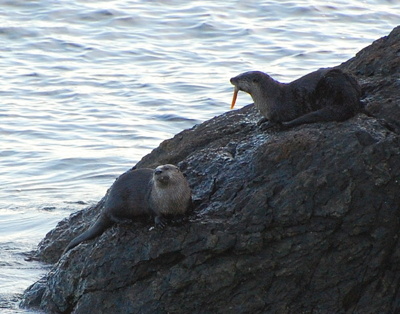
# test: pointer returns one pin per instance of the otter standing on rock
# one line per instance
(159, 192)
(327, 94)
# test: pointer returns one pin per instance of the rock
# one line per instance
(377, 68)
(298, 221)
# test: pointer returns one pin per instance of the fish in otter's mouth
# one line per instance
(235, 92)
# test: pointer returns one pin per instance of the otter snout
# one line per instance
(163, 173)
(164, 169)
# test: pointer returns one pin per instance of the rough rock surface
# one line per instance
(304, 220)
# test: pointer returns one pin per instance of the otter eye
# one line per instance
(256, 80)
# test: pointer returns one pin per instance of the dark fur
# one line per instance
(324, 95)
(133, 194)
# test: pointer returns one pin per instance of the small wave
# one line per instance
(173, 118)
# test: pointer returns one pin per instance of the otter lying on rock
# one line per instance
(158, 192)
(327, 94)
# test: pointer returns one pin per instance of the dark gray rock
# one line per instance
(298, 221)
(377, 67)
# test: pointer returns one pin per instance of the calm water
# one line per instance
(89, 87)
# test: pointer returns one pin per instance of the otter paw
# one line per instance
(262, 121)
(160, 222)
(268, 125)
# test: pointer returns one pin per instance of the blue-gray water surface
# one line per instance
(89, 87)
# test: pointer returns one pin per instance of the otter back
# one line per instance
(129, 194)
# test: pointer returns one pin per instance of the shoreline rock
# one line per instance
(304, 220)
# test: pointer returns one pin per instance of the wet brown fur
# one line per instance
(327, 94)
(159, 192)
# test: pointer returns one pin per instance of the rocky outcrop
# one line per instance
(304, 220)
(377, 68)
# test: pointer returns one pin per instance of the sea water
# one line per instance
(90, 87)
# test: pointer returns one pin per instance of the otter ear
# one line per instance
(256, 80)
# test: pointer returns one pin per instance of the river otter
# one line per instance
(157, 192)
(327, 94)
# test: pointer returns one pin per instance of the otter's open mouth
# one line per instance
(235, 93)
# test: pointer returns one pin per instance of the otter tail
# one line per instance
(101, 224)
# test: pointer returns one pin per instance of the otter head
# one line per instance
(171, 193)
(164, 173)
(252, 82)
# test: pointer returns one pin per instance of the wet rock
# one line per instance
(298, 221)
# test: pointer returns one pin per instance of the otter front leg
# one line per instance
(160, 221)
